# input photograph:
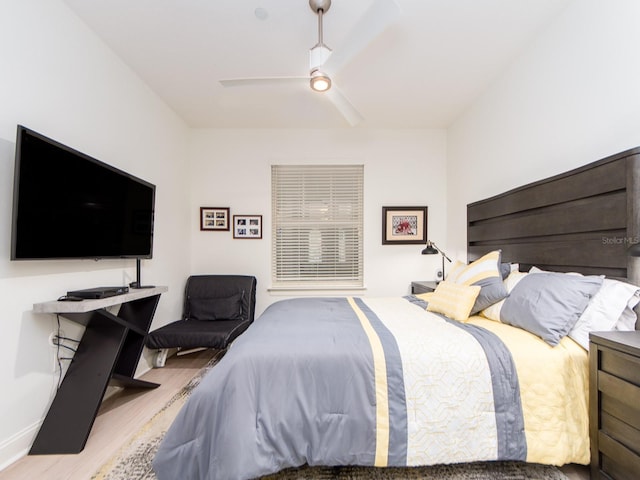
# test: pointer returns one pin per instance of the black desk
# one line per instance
(108, 352)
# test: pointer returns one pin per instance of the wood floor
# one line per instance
(120, 416)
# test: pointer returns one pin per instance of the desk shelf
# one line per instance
(109, 351)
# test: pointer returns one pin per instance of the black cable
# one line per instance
(66, 346)
(58, 353)
(58, 342)
(67, 338)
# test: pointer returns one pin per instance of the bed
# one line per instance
(464, 374)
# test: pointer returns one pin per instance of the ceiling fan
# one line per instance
(325, 63)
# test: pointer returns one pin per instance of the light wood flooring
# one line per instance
(123, 414)
(120, 416)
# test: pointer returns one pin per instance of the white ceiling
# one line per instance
(422, 71)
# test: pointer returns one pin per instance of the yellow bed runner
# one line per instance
(554, 385)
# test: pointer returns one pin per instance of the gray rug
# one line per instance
(467, 471)
(133, 460)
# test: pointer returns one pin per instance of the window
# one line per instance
(317, 213)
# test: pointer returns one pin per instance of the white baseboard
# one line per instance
(18, 445)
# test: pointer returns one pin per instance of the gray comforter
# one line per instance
(342, 381)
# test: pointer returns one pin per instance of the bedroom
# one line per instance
(569, 98)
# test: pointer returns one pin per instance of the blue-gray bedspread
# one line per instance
(348, 381)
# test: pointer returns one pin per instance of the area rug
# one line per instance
(133, 460)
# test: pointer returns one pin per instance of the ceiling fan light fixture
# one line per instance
(320, 81)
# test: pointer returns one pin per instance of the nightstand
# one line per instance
(614, 411)
(422, 287)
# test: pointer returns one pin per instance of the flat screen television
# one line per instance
(68, 205)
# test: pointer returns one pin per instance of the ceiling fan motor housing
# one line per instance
(318, 55)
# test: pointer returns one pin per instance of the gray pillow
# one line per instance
(549, 304)
(505, 270)
(226, 308)
(492, 291)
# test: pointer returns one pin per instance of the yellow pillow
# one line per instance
(455, 271)
(453, 300)
(482, 269)
(425, 296)
(484, 272)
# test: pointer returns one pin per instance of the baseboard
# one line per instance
(18, 445)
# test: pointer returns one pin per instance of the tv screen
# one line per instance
(69, 205)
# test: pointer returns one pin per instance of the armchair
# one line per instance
(217, 308)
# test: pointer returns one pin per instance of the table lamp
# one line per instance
(432, 249)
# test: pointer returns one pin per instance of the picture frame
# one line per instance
(404, 225)
(247, 226)
(214, 219)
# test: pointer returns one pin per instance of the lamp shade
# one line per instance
(432, 249)
(429, 250)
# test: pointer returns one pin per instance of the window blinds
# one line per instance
(317, 214)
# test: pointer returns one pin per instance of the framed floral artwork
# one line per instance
(404, 225)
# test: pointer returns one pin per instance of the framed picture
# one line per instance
(247, 226)
(404, 225)
(214, 218)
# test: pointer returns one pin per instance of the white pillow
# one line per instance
(628, 319)
(611, 308)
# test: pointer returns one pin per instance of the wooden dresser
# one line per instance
(614, 398)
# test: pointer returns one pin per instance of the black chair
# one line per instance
(217, 308)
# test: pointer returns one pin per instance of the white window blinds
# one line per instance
(317, 213)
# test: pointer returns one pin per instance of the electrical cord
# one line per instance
(58, 341)
(58, 354)
(57, 344)
(68, 339)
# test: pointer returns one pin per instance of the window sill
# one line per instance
(319, 290)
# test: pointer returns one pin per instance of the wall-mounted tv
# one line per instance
(69, 205)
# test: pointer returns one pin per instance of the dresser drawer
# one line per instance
(618, 429)
(617, 461)
(614, 397)
(621, 365)
(620, 398)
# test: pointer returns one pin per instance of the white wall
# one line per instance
(59, 79)
(231, 168)
(572, 98)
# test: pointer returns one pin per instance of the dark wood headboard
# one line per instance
(583, 220)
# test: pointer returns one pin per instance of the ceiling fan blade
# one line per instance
(380, 15)
(344, 106)
(243, 82)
